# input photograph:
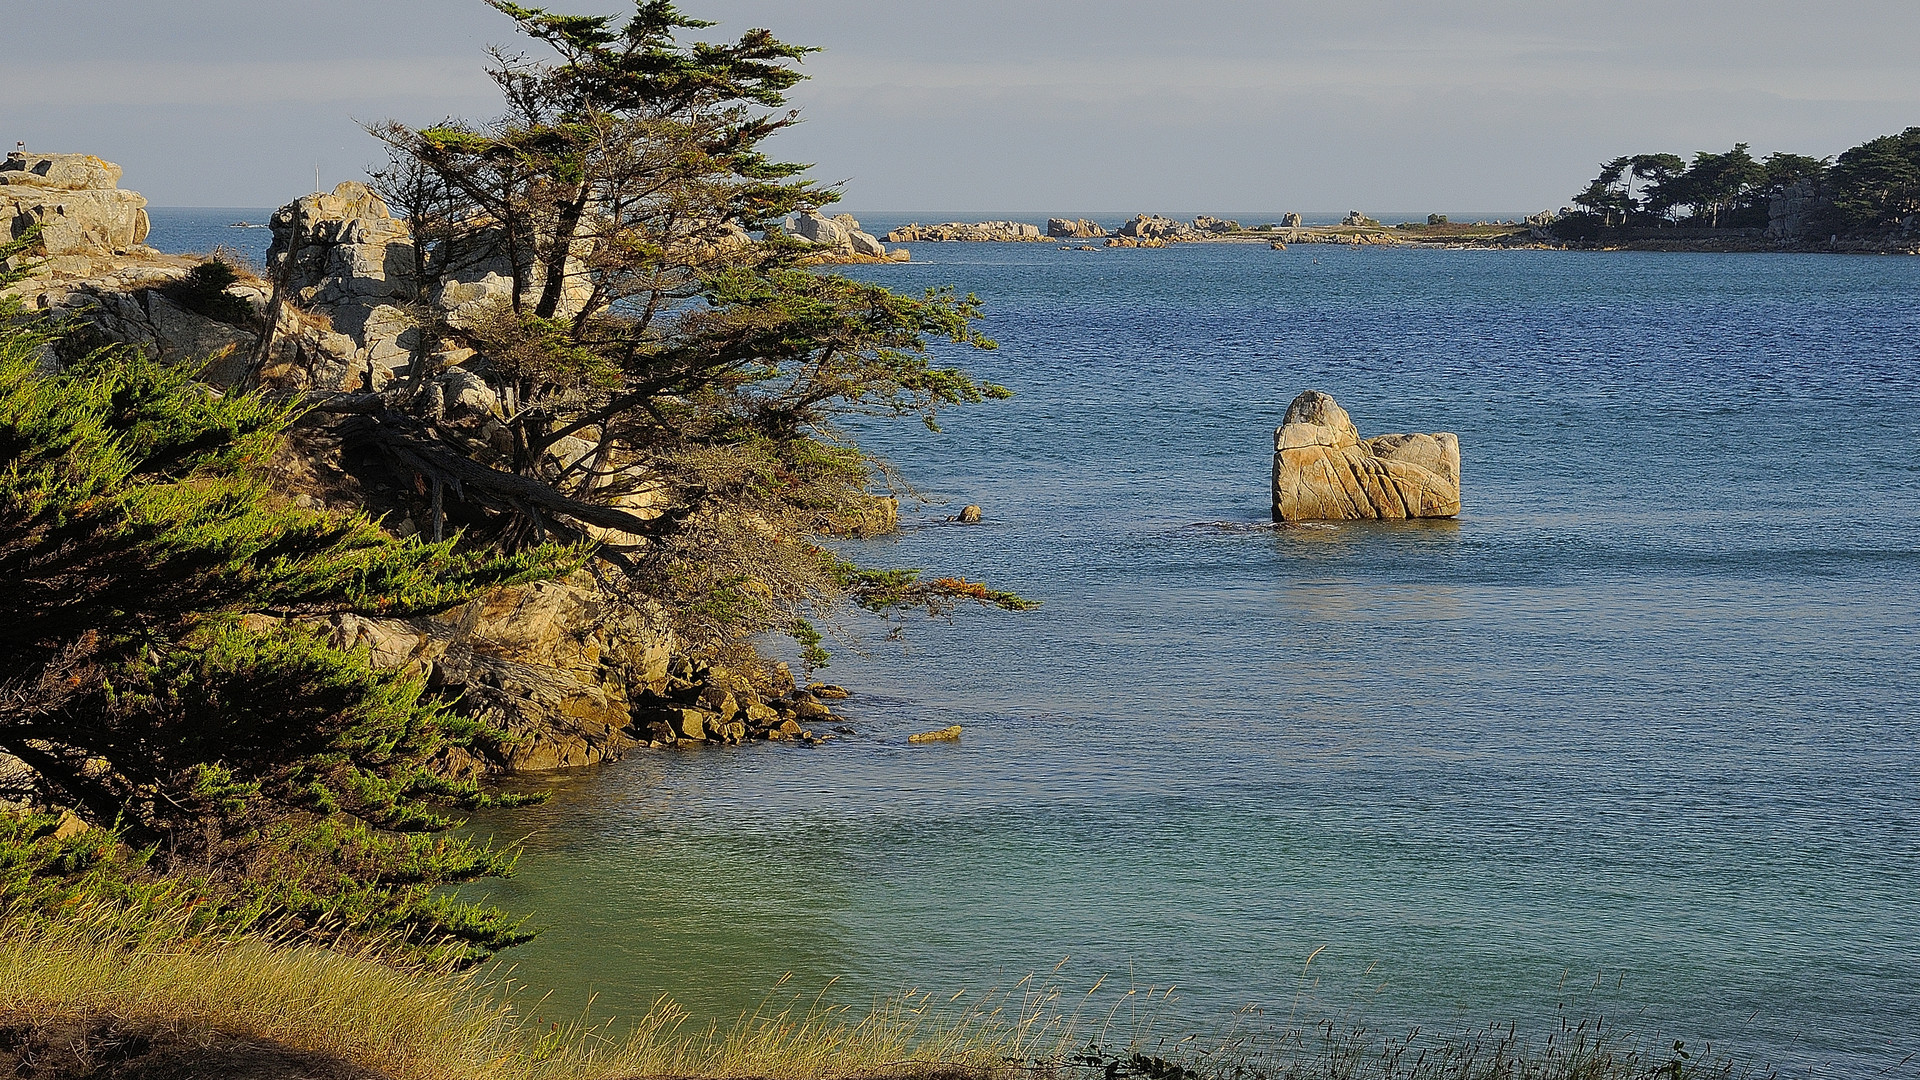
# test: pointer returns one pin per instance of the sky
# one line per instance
(1016, 106)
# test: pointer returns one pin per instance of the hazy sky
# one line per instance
(1033, 106)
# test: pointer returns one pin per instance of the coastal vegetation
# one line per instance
(181, 738)
(1874, 184)
(89, 995)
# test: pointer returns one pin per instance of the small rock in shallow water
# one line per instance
(948, 734)
(828, 691)
(969, 515)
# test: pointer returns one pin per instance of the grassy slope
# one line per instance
(234, 1008)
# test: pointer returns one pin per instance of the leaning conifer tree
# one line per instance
(651, 343)
(157, 675)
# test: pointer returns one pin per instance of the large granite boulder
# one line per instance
(842, 238)
(1324, 471)
(991, 232)
(77, 202)
(1155, 227)
(1074, 228)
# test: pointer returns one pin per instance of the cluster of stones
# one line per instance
(713, 704)
(1074, 229)
(843, 239)
(1324, 471)
(979, 232)
(76, 201)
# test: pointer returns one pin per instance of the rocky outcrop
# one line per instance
(1155, 227)
(875, 515)
(1324, 471)
(1206, 224)
(553, 665)
(1797, 211)
(978, 232)
(1357, 220)
(1290, 221)
(843, 238)
(1074, 229)
(567, 672)
(76, 201)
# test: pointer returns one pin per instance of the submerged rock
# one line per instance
(1324, 471)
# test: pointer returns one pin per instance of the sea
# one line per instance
(1634, 736)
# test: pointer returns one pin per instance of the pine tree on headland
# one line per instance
(622, 185)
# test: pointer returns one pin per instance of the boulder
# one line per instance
(1324, 471)
(1155, 227)
(1290, 221)
(1207, 224)
(815, 229)
(1355, 219)
(842, 238)
(76, 201)
(1075, 229)
(977, 232)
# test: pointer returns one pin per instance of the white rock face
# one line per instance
(816, 229)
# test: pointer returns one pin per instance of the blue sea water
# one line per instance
(1646, 716)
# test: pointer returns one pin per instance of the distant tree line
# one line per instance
(1874, 184)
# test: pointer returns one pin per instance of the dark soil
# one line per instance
(107, 1049)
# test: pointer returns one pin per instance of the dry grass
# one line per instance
(424, 1025)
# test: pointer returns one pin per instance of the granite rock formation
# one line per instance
(76, 201)
(1155, 227)
(843, 238)
(1074, 229)
(1324, 471)
(979, 232)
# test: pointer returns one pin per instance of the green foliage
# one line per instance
(707, 369)
(1875, 184)
(160, 673)
(1878, 182)
(204, 290)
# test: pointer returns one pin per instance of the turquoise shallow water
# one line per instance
(1647, 713)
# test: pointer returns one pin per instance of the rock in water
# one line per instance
(1324, 471)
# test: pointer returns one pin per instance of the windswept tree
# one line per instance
(651, 343)
(1607, 195)
(1717, 183)
(1660, 175)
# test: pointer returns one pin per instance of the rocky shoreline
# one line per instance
(568, 673)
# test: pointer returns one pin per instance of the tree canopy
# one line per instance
(623, 186)
(160, 674)
(1875, 184)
